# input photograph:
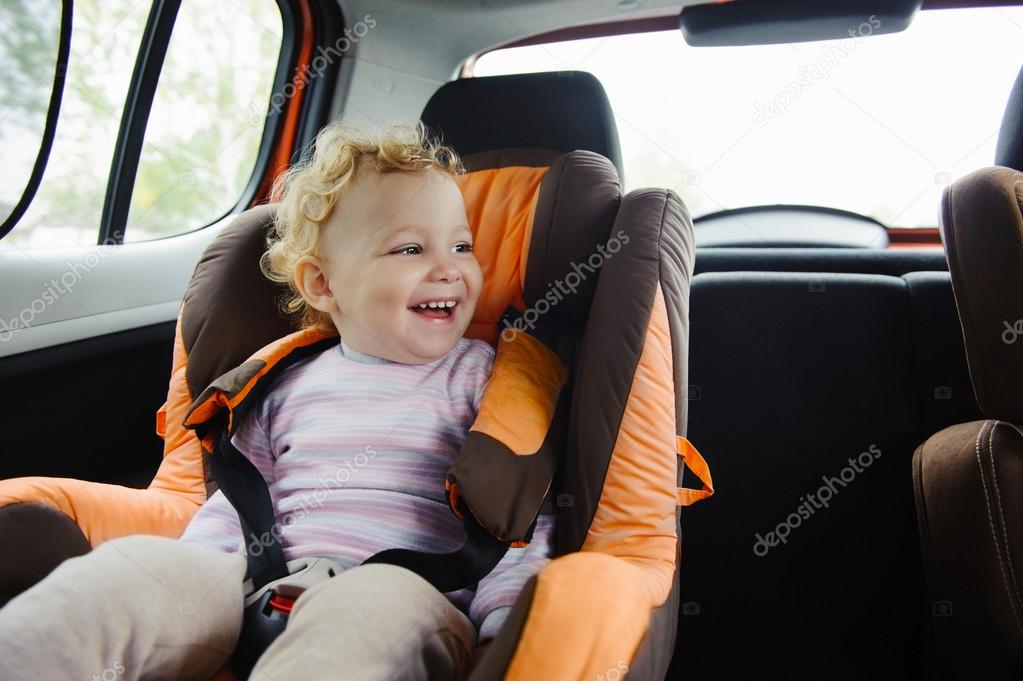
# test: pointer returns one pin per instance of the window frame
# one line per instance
(35, 178)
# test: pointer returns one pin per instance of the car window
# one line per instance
(201, 138)
(207, 119)
(875, 124)
(29, 38)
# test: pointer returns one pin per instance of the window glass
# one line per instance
(29, 38)
(207, 118)
(202, 136)
(876, 124)
(105, 37)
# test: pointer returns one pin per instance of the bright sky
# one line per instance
(877, 125)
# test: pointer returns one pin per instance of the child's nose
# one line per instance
(446, 270)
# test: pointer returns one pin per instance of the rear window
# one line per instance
(875, 124)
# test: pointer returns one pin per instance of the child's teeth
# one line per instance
(444, 304)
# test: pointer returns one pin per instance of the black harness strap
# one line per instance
(244, 486)
(458, 569)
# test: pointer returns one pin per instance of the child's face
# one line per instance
(394, 242)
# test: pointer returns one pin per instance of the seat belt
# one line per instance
(243, 485)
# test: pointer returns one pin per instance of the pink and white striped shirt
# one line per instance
(355, 449)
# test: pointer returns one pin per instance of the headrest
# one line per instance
(561, 111)
(982, 229)
(1009, 151)
(541, 223)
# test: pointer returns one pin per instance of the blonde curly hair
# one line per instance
(307, 193)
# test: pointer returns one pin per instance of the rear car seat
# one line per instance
(793, 374)
(968, 477)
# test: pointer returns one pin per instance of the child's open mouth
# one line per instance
(436, 309)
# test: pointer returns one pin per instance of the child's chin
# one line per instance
(430, 352)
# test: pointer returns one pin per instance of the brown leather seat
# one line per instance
(968, 478)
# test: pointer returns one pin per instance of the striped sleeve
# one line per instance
(216, 523)
(496, 592)
(477, 368)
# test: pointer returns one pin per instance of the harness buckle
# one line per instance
(267, 608)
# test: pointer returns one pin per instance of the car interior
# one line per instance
(848, 369)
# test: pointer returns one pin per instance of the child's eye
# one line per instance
(408, 250)
(464, 247)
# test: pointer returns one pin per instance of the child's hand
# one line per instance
(477, 655)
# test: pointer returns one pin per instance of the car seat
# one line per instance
(540, 212)
(967, 478)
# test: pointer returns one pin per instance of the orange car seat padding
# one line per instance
(635, 518)
(234, 386)
(698, 465)
(182, 469)
(505, 198)
(105, 511)
(595, 605)
(522, 392)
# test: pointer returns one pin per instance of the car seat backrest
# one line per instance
(803, 383)
(965, 476)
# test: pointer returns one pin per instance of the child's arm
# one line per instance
(216, 523)
(496, 592)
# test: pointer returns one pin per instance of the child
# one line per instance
(354, 443)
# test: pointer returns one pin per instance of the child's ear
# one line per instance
(311, 281)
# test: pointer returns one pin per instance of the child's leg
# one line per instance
(373, 623)
(135, 606)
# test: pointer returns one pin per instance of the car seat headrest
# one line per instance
(539, 221)
(1009, 151)
(561, 111)
(982, 229)
(230, 309)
